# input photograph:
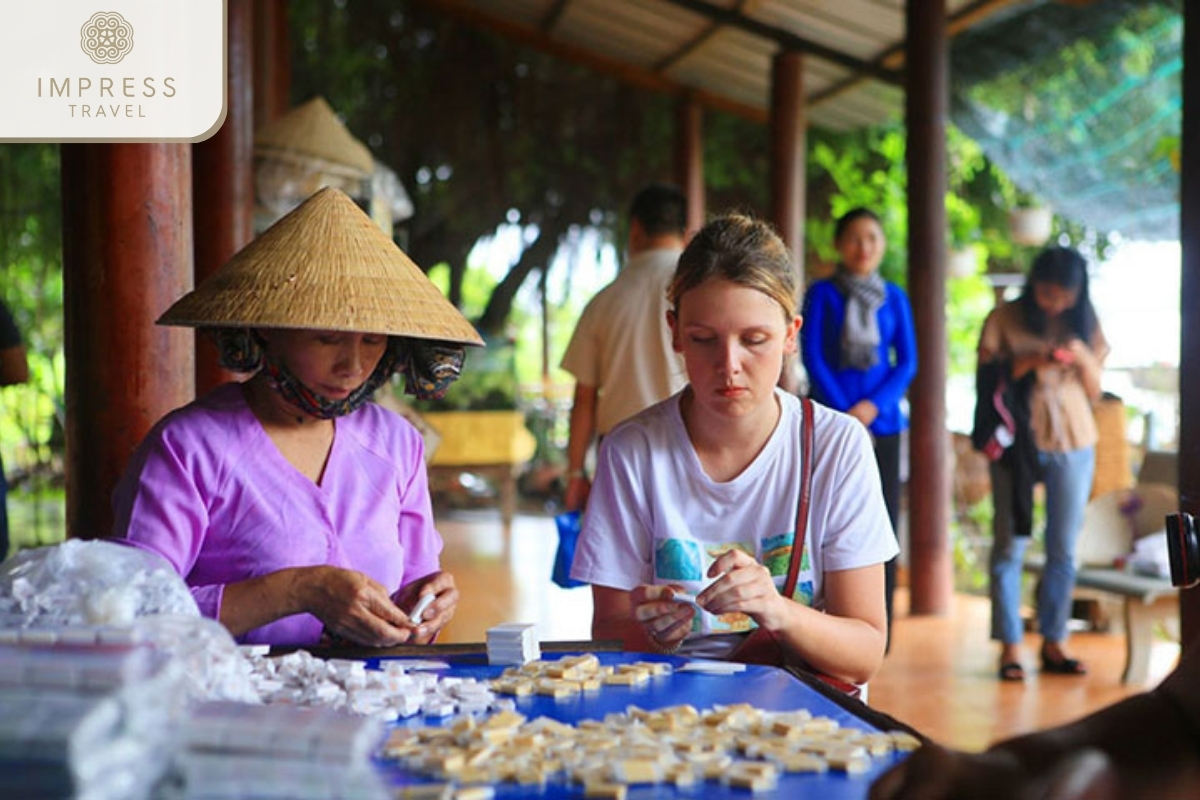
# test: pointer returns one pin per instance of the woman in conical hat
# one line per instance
(291, 505)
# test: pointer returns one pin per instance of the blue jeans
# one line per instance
(1068, 480)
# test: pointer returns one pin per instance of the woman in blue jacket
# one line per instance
(860, 350)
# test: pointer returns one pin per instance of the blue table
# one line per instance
(763, 687)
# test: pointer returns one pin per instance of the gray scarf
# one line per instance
(860, 330)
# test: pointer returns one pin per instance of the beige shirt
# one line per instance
(622, 343)
(1060, 410)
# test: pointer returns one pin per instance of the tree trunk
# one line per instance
(536, 256)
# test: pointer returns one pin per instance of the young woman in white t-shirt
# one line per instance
(699, 493)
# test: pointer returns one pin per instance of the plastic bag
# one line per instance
(1150, 556)
(568, 524)
(81, 583)
(213, 666)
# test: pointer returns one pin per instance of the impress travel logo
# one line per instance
(131, 71)
(106, 37)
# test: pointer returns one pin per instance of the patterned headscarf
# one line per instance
(428, 367)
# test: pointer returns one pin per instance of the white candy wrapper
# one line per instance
(86, 583)
(214, 668)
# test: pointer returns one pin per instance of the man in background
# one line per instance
(620, 352)
(14, 368)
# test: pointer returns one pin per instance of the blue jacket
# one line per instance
(883, 384)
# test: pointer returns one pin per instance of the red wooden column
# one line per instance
(127, 255)
(272, 61)
(929, 549)
(1189, 346)
(788, 152)
(788, 149)
(223, 179)
(689, 159)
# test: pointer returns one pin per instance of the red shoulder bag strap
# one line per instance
(789, 588)
(806, 462)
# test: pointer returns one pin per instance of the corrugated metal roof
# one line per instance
(723, 49)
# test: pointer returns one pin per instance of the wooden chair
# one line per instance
(1113, 520)
(1111, 524)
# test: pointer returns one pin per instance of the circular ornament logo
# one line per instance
(106, 37)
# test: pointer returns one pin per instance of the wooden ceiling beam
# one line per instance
(888, 67)
(789, 40)
(637, 76)
(893, 58)
(554, 15)
(698, 41)
(689, 47)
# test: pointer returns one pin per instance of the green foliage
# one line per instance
(554, 148)
(962, 222)
(1081, 126)
(971, 539)
(968, 301)
(481, 130)
(1169, 148)
(484, 133)
(864, 168)
(32, 288)
(476, 285)
(31, 285)
(736, 164)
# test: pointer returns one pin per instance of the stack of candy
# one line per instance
(84, 718)
(237, 750)
(399, 688)
(513, 643)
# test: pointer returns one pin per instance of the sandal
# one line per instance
(1011, 671)
(1063, 666)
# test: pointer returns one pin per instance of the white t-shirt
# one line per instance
(655, 517)
(622, 343)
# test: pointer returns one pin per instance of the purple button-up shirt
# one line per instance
(209, 491)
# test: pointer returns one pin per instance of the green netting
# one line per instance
(1081, 106)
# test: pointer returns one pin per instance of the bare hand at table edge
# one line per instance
(435, 617)
(665, 621)
(742, 585)
(354, 607)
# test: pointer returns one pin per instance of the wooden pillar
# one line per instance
(127, 255)
(223, 180)
(272, 61)
(788, 149)
(544, 295)
(689, 159)
(926, 101)
(1189, 345)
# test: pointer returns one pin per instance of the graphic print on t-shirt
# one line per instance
(686, 562)
(777, 557)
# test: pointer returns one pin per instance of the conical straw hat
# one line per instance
(312, 130)
(324, 266)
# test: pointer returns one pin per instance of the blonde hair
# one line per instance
(742, 250)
